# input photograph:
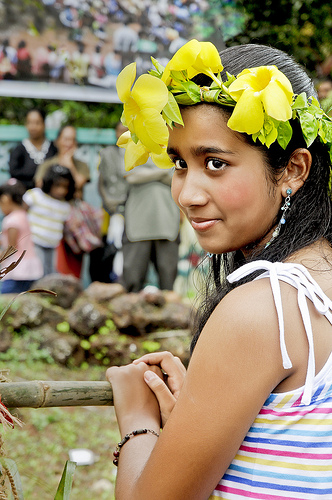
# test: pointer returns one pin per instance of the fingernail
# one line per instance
(149, 375)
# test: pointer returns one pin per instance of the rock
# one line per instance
(121, 308)
(5, 339)
(26, 310)
(103, 292)
(86, 317)
(67, 288)
(60, 346)
(152, 295)
(111, 349)
(133, 315)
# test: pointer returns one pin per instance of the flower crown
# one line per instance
(262, 99)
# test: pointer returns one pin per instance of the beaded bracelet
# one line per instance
(126, 438)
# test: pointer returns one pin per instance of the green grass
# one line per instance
(40, 448)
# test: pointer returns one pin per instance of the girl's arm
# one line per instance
(235, 366)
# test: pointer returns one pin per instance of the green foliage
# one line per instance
(107, 328)
(13, 111)
(66, 482)
(30, 354)
(301, 28)
(150, 345)
(63, 327)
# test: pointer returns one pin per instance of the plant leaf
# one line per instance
(66, 481)
(172, 111)
(11, 466)
(285, 132)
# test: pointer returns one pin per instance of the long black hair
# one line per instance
(309, 217)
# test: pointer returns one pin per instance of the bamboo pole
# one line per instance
(41, 394)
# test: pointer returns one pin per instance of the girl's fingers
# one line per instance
(165, 359)
(164, 396)
(171, 365)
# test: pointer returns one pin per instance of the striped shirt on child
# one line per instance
(46, 217)
(287, 453)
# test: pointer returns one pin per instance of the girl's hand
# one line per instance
(135, 404)
(166, 389)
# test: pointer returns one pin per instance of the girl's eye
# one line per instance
(215, 164)
(179, 164)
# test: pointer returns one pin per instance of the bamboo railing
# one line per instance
(46, 394)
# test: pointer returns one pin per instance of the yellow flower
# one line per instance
(142, 107)
(195, 57)
(138, 154)
(259, 90)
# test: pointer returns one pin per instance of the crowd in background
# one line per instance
(133, 238)
(99, 37)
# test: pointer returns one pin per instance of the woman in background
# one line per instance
(31, 152)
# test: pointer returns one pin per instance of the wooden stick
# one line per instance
(39, 394)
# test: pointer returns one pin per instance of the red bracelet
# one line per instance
(126, 438)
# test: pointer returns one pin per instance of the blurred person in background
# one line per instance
(68, 261)
(66, 143)
(16, 233)
(31, 152)
(152, 223)
(48, 209)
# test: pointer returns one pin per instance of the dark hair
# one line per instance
(15, 189)
(53, 175)
(41, 112)
(21, 44)
(62, 128)
(309, 217)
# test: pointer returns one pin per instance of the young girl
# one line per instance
(251, 417)
(48, 211)
(16, 233)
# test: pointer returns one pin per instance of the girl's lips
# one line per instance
(203, 225)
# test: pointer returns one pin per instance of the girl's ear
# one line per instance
(297, 171)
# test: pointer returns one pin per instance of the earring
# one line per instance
(210, 255)
(282, 221)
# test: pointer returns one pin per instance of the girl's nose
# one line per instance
(193, 191)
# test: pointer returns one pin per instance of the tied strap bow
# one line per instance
(297, 276)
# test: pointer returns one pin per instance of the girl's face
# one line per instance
(35, 125)
(221, 182)
(59, 189)
(6, 204)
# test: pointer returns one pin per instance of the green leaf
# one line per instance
(66, 481)
(309, 126)
(192, 90)
(160, 69)
(63, 327)
(301, 101)
(327, 128)
(271, 136)
(11, 466)
(285, 133)
(172, 111)
(168, 121)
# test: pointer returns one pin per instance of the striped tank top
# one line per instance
(287, 453)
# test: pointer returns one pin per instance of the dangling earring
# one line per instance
(210, 255)
(282, 221)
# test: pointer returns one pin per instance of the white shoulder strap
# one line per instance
(297, 276)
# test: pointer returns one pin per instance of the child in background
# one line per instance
(48, 211)
(16, 232)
